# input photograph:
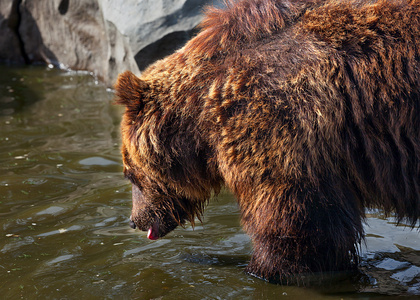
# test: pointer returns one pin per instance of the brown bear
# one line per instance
(308, 111)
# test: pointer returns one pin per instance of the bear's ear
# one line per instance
(129, 89)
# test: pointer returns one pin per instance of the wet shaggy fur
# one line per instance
(308, 111)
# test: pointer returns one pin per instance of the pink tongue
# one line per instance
(153, 233)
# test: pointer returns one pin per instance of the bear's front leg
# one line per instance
(302, 231)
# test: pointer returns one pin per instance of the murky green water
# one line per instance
(64, 210)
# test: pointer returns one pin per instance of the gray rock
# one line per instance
(105, 37)
(120, 56)
(147, 21)
(155, 28)
(74, 34)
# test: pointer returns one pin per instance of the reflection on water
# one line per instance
(64, 210)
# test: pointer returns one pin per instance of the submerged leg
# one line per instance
(302, 231)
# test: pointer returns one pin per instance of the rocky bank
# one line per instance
(105, 37)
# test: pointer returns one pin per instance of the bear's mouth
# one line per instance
(156, 229)
(153, 232)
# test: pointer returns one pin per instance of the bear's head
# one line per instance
(164, 157)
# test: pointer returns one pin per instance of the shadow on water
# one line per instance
(15, 94)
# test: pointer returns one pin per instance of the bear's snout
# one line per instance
(132, 224)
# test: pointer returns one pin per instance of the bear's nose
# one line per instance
(132, 224)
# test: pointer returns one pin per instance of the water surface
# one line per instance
(64, 209)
